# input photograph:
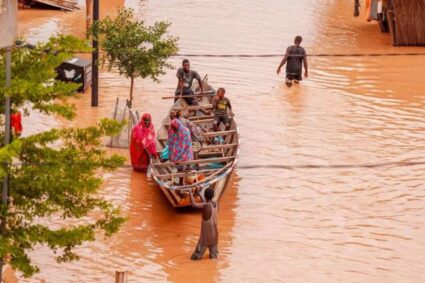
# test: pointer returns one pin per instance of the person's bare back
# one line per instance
(208, 237)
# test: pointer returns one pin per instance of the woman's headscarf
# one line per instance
(144, 136)
(179, 142)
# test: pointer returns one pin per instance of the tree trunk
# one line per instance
(130, 103)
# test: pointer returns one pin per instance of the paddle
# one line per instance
(199, 94)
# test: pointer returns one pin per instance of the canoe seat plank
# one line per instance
(197, 161)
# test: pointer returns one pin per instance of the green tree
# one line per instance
(34, 75)
(134, 49)
(54, 174)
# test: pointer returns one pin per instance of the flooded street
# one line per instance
(349, 204)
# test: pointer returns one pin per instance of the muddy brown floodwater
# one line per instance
(318, 221)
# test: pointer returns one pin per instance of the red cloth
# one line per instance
(143, 141)
(16, 123)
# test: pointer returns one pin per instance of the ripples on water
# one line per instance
(351, 224)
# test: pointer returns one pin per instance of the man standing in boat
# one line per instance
(185, 78)
(209, 230)
(294, 58)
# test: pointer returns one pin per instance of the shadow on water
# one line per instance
(161, 238)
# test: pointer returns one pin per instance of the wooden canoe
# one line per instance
(213, 165)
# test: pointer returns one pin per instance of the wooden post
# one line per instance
(95, 61)
(392, 26)
(120, 277)
(88, 16)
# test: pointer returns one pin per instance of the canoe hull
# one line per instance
(226, 154)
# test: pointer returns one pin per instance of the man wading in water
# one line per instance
(294, 58)
(209, 231)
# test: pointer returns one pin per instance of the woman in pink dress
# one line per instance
(143, 144)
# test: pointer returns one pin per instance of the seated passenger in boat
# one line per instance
(179, 145)
(195, 132)
(143, 144)
(221, 110)
(179, 142)
(185, 78)
(172, 115)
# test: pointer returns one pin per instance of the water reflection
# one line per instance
(321, 223)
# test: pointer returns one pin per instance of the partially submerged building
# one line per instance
(67, 5)
(404, 19)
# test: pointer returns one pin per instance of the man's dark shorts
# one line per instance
(297, 77)
(189, 100)
(222, 119)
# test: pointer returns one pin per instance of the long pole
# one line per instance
(6, 141)
(95, 61)
(88, 16)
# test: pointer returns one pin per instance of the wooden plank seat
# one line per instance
(218, 146)
(197, 107)
(221, 133)
(202, 121)
(199, 118)
(185, 173)
(197, 161)
(208, 178)
(203, 94)
(209, 134)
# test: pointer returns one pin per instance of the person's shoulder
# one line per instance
(180, 70)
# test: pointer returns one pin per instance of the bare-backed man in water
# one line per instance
(294, 58)
(209, 231)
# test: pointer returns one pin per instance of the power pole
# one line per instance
(5, 191)
(95, 60)
(88, 17)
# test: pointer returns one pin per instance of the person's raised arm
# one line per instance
(198, 78)
(193, 201)
(283, 62)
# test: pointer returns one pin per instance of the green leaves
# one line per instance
(33, 75)
(54, 175)
(132, 48)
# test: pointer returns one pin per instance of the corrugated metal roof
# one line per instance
(67, 5)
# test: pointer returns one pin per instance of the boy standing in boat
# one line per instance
(221, 105)
(185, 78)
(209, 231)
(294, 58)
